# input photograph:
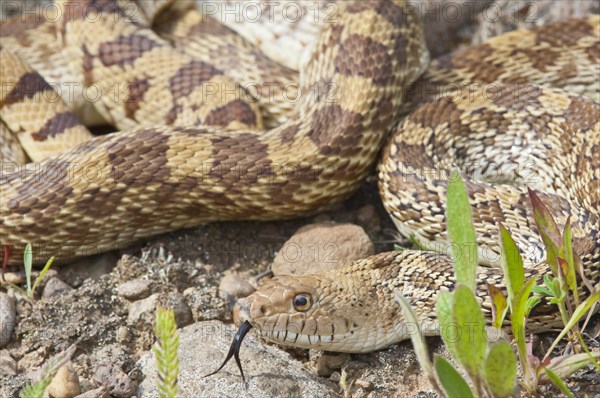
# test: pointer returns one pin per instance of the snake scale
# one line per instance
(522, 111)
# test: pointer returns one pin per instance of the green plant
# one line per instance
(345, 385)
(492, 369)
(29, 292)
(36, 390)
(165, 351)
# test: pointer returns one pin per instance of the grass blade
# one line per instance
(579, 312)
(28, 264)
(461, 232)
(417, 338)
(559, 383)
(44, 270)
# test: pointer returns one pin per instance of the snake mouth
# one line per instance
(234, 349)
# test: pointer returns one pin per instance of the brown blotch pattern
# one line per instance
(362, 56)
(27, 87)
(335, 130)
(56, 125)
(191, 76)
(143, 155)
(136, 91)
(233, 110)
(564, 34)
(436, 114)
(124, 50)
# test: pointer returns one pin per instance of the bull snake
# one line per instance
(167, 171)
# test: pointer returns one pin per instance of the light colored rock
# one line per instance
(270, 372)
(55, 287)
(182, 311)
(8, 366)
(327, 363)
(143, 308)
(65, 384)
(100, 392)
(234, 286)
(114, 379)
(135, 289)
(7, 318)
(316, 248)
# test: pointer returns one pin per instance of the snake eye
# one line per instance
(302, 302)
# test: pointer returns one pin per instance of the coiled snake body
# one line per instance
(172, 172)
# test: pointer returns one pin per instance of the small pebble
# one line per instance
(135, 289)
(8, 366)
(182, 311)
(65, 384)
(100, 392)
(7, 318)
(329, 363)
(144, 308)
(119, 385)
(55, 287)
(233, 286)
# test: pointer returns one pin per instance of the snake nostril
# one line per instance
(261, 309)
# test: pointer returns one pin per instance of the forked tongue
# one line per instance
(234, 349)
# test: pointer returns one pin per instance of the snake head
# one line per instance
(305, 311)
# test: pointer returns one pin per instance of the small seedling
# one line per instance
(165, 351)
(29, 292)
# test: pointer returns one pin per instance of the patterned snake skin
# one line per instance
(184, 157)
(117, 189)
(505, 133)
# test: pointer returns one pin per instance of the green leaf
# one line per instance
(416, 337)
(531, 302)
(552, 250)
(566, 365)
(453, 383)
(579, 312)
(541, 290)
(512, 263)
(541, 214)
(501, 369)
(472, 337)
(448, 329)
(518, 320)
(499, 306)
(44, 270)
(559, 383)
(28, 264)
(461, 232)
(567, 253)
